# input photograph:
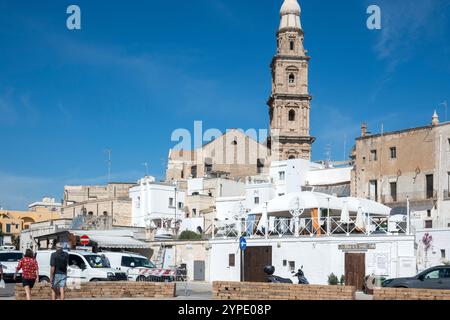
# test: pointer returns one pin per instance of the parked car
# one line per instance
(83, 265)
(9, 259)
(138, 267)
(433, 278)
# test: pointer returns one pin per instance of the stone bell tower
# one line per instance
(290, 102)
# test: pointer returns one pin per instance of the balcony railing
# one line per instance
(310, 227)
(412, 196)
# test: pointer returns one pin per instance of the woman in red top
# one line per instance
(30, 271)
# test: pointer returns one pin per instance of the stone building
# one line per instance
(111, 201)
(411, 164)
(233, 155)
(237, 155)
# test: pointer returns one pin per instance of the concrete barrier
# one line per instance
(278, 291)
(410, 294)
(104, 290)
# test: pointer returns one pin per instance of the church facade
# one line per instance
(236, 155)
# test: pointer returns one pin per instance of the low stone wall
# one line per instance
(278, 291)
(104, 290)
(410, 294)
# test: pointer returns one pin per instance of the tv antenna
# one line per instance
(109, 152)
(445, 104)
(145, 164)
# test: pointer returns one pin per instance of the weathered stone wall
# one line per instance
(278, 291)
(104, 290)
(410, 294)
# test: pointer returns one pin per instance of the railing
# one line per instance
(412, 196)
(310, 227)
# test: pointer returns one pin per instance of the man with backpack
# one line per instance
(59, 262)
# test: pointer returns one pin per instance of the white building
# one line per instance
(46, 203)
(156, 205)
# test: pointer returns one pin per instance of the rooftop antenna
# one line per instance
(328, 154)
(445, 104)
(345, 147)
(146, 168)
(109, 152)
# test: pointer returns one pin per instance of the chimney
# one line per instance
(435, 119)
(363, 129)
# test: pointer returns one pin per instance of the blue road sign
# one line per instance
(242, 243)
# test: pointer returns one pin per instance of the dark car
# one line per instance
(433, 278)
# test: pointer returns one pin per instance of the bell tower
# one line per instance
(290, 102)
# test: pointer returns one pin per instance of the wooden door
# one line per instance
(254, 261)
(355, 270)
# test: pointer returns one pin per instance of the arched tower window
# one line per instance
(292, 115)
(291, 78)
(292, 45)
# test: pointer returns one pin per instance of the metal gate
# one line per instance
(199, 270)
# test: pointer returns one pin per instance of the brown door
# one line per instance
(254, 261)
(355, 270)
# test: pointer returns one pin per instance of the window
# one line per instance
(292, 115)
(291, 78)
(292, 45)
(443, 255)
(234, 143)
(170, 202)
(180, 205)
(373, 190)
(232, 260)
(194, 212)
(138, 202)
(430, 186)
(373, 155)
(291, 266)
(429, 213)
(432, 275)
(194, 171)
(393, 153)
(256, 200)
(284, 263)
(429, 224)
(281, 175)
(393, 191)
(8, 228)
(76, 261)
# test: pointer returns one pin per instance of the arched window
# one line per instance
(292, 115)
(291, 78)
(291, 157)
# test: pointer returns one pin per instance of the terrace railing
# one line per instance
(309, 227)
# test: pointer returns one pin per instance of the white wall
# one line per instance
(329, 176)
(433, 257)
(227, 207)
(319, 257)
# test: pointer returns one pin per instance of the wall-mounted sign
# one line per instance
(357, 247)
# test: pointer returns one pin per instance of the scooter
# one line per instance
(301, 276)
(270, 270)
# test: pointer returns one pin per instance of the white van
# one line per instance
(83, 266)
(9, 259)
(134, 265)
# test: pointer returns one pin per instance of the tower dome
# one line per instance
(290, 15)
(290, 7)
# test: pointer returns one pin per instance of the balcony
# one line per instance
(412, 196)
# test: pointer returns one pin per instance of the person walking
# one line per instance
(30, 272)
(59, 261)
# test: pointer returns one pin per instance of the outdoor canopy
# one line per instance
(308, 200)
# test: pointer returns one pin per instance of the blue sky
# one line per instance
(140, 69)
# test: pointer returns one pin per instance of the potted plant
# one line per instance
(333, 280)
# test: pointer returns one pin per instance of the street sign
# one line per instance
(242, 243)
(84, 240)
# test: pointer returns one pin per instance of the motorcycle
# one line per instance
(301, 276)
(270, 270)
